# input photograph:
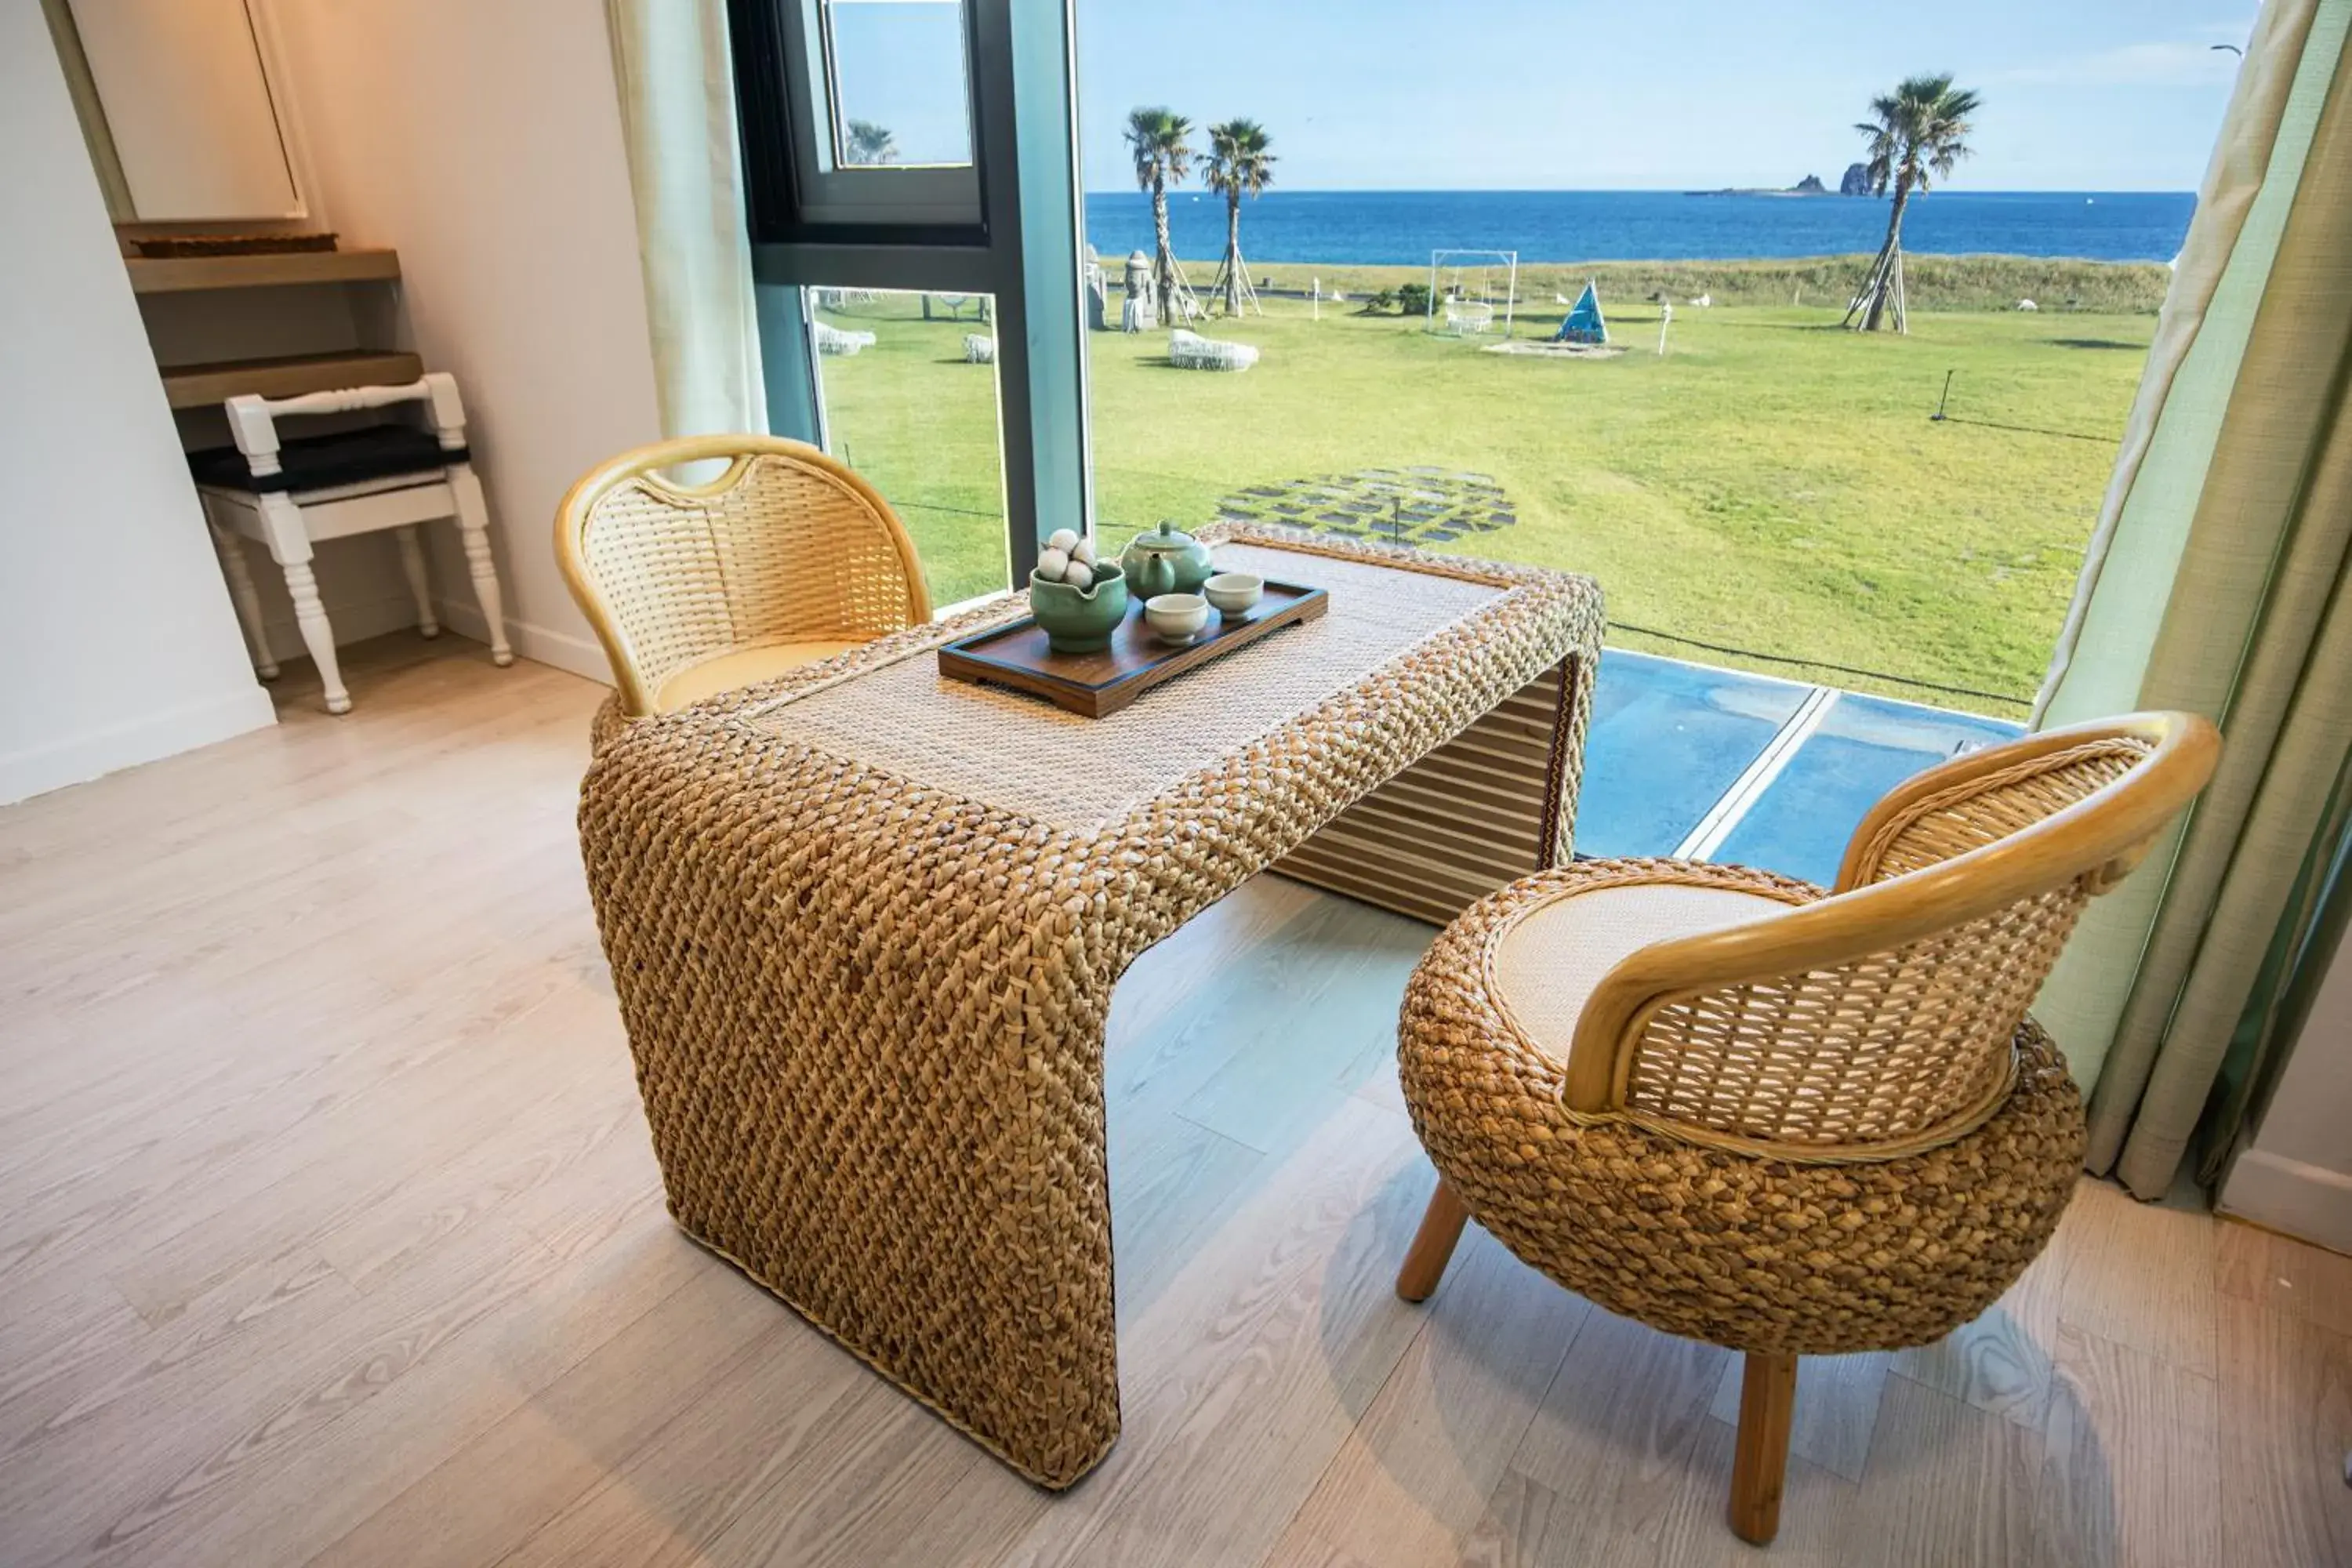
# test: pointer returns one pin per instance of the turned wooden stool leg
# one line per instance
(290, 546)
(474, 533)
(1768, 1398)
(247, 600)
(1433, 1245)
(420, 581)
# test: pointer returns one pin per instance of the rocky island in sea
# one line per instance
(1854, 185)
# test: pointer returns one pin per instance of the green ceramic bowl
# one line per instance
(1080, 620)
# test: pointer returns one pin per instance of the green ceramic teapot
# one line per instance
(1165, 560)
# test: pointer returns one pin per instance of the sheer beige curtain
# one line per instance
(2241, 157)
(2218, 585)
(678, 116)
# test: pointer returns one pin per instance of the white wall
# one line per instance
(483, 143)
(115, 628)
(2297, 1174)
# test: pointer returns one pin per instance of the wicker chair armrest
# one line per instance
(2189, 743)
(1826, 934)
(2090, 840)
(1600, 1061)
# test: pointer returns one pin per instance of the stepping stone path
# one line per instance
(1405, 505)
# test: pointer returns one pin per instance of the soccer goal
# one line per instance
(1472, 293)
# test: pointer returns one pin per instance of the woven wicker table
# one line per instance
(863, 923)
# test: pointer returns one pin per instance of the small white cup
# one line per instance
(1176, 617)
(1235, 592)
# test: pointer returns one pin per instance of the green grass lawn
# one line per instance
(1773, 484)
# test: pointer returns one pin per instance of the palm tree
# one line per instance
(871, 144)
(1161, 141)
(1917, 130)
(1239, 165)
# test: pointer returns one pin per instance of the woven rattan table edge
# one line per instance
(745, 706)
(963, 1428)
(749, 701)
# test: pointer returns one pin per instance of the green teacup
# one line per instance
(1080, 620)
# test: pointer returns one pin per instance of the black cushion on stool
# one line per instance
(318, 462)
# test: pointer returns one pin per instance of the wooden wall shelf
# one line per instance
(183, 274)
(202, 386)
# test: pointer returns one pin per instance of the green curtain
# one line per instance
(2254, 627)
(2133, 556)
(2200, 340)
(677, 121)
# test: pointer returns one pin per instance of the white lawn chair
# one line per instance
(831, 339)
(1189, 351)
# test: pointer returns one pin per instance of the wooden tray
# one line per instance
(1096, 684)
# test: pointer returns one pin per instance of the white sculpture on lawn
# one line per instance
(1141, 312)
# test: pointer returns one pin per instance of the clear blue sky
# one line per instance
(1525, 94)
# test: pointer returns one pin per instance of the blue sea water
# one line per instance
(1366, 227)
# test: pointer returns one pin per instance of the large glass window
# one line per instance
(1658, 385)
(871, 112)
(899, 94)
(921, 324)
(1826, 407)
(907, 382)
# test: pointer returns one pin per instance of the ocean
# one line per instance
(1369, 228)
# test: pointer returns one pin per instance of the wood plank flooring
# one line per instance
(329, 1232)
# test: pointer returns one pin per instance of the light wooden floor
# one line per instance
(329, 1232)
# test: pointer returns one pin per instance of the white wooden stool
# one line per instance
(290, 495)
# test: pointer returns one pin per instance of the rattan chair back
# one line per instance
(786, 546)
(1879, 1021)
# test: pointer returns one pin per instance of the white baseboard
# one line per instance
(2287, 1195)
(568, 651)
(77, 759)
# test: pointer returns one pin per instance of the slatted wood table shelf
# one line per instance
(864, 920)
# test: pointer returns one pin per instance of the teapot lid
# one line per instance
(1167, 536)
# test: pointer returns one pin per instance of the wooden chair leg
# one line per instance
(246, 597)
(1433, 1245)
(318, 633)
(1768, 1398)
(420, 581)
(474, 533)
(289, 545)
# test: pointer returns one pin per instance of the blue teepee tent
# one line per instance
(1583, 323)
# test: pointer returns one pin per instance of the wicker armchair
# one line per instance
(786, 558)
(1788, 1122)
